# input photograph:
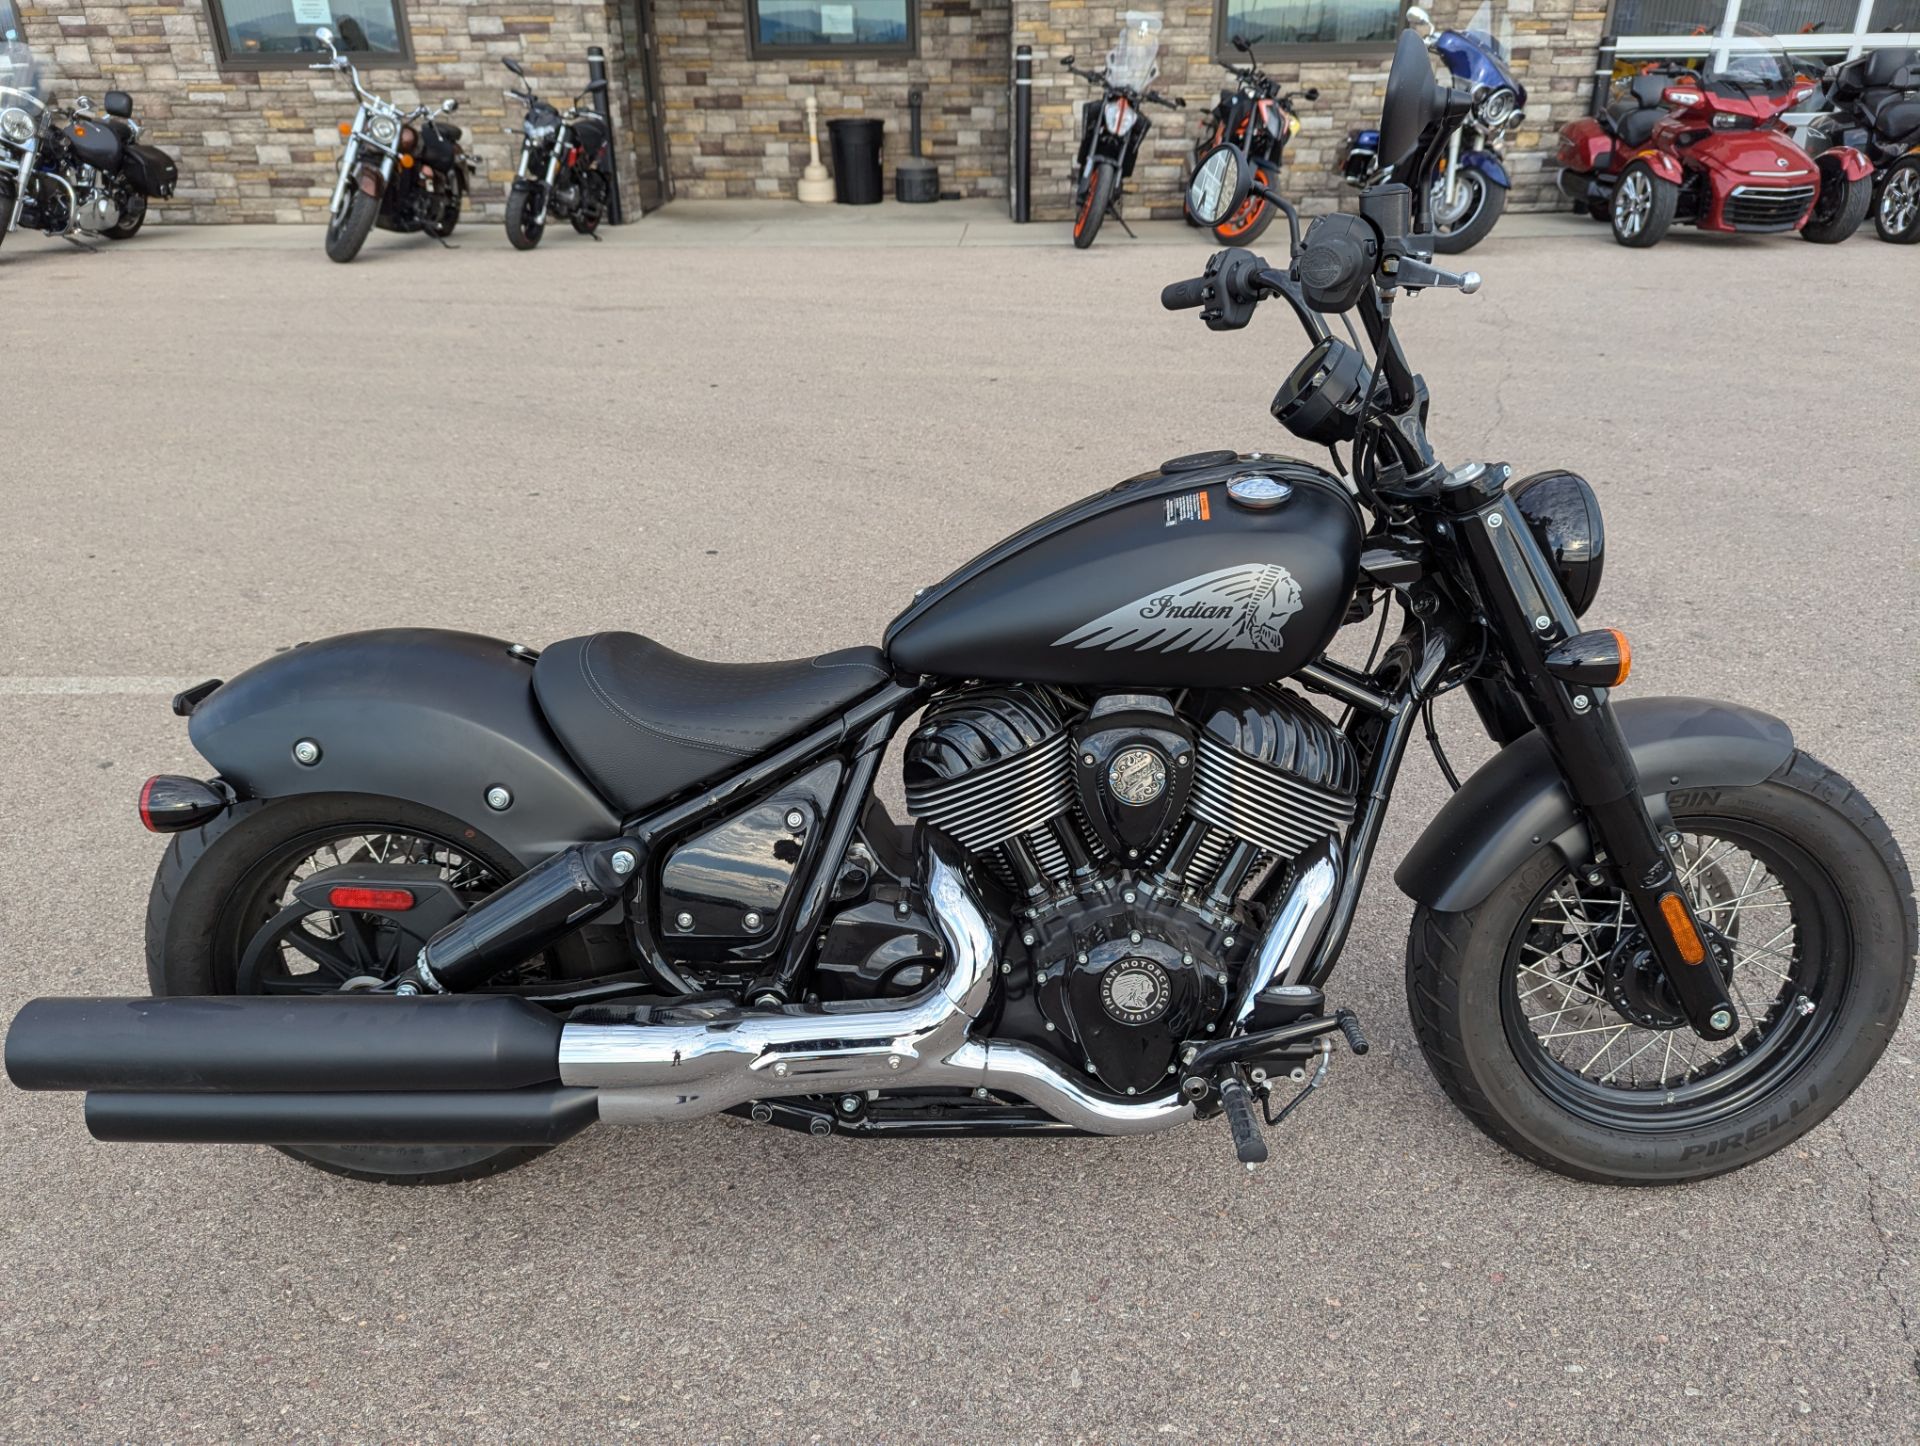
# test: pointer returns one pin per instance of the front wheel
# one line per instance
(348, 231)
(1897, 216)
(1643, 206)
(1839, 208)
(222, 918)
(1547, 1023)
(522, 230)
(1477, 205)
(1094, 203)
(133, 216)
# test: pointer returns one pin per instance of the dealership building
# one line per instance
(708, 96)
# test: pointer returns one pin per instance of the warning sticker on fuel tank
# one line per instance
(1190, 508)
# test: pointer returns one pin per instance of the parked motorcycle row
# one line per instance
(1705, 143)
(66, 171)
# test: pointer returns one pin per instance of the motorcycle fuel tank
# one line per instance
(1213, 570)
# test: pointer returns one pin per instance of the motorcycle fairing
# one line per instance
(1474, 56)
(1518, 799)
(432, 717)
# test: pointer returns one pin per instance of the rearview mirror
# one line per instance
(1412, 104)
(513, 65)
(324, 36)
(1240, 43)
(1219, 186)
(449, 106)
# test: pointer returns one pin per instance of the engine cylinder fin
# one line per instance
(1048, 854)
(1000, 801)
(1254, 800)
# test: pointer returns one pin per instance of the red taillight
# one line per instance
(385, 901)
(169, 803)
(146, 799)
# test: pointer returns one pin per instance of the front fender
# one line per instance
(1853, 164)
(1660, 163)
(1517, 801)
(436, 718)
(1488, 165)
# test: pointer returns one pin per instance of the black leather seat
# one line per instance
(1897, 118)
(644, 722)
(1633, 119)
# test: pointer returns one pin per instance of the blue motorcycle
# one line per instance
(1470, 191)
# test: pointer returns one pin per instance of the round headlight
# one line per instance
(383, 128)
(541, 132)
(1498, 108)
(16, 125)
(1564, 515)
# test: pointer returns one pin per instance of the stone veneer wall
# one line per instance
(1555, 43)
(264, 145)
(736, 125)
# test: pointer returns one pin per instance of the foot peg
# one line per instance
(1236, 1099)
(1350, 1026)
(1248, 1143)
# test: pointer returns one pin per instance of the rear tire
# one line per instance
(348, 232)
(1475, 223)
(202, 908)
(1896, 212)
(1839, 208)
(1093, 205)
(1808, 1041)
(1643, 206)
(131, 219)
(522, 230)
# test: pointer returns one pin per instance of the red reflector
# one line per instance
(393, 901)
(146, 793)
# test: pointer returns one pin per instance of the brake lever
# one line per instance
(1416, 275)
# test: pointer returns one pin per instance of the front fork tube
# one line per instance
(1531, 612)
(348, 164)
(22, 179)
(1453, 164)
(553, 174)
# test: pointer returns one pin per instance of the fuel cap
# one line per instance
(1259, 492)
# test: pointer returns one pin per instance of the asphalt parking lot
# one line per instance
(220, 445)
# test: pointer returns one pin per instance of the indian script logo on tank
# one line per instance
(1236, 607)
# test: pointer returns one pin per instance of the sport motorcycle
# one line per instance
(67, 171)
(446, 900)
(1708, 148)
(561, 154)
(1260, 118)
(401, 170)
(1872, 104)
(1112, 128)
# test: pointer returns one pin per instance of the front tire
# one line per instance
(1248, 224)
(522, 230)
(1093, 205)
(1475, 218)
(1896, 215)
(1643, 206)
(348, 232)
(1543, 1023)
(218, 884)
(1839, 208)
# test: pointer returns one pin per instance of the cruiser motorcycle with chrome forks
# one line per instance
(444, 901)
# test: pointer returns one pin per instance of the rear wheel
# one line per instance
(522, 230)
(222, 919)
(133, 215)
(1643, 206)
(451, 194)
(1477, 205)
(348, 231)
(1250, 222)
(1897, 215)
(1094, 202)
(1839, 208)
(1547, 1023)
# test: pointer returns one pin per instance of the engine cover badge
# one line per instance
(1137, 776)
(1136, 991)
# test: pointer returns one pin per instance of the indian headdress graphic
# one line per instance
(1236, 607)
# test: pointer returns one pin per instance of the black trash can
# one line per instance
(856, 160)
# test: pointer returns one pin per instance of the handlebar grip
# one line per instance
(1184, 295)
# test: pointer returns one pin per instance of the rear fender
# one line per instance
(1488, 165)
(435, 718)
(1517, 801)
(1584, 145)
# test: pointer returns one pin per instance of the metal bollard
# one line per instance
(597, 71)
(1022, 192)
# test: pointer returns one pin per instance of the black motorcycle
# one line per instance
(562, 154)
(1872, 103)
(447, 900)
(1111, 130)
(1260, 118)
(403, 171)
(68, 171)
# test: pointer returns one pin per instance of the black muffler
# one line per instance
(326, 1069)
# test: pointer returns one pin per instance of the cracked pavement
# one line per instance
(232, 445)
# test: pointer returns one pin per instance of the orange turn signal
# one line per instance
(346, 128)
(406, 163)
(1598, 659)
(1680, 924)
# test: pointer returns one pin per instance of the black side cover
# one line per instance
(1517, 801)
(644, 722)
(433, 717)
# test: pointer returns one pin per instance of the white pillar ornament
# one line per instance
(816, 189)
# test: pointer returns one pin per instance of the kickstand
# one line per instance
(595, 234)
(1114, 211)
(444, 242)
(91, 248)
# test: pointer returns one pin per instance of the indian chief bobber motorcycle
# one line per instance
(447, 900)
(561, 155)
(1470, 190)
(400, 170)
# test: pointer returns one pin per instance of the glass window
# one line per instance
(832, 27)
(1275, 25)
(259, 34)
(1669, 17)
(1898, 15)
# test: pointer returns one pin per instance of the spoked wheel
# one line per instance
(223, 918)
(1896, 215)
(1464, 222)
(1546, 1019)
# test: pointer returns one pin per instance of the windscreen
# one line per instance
(1752, 61)
(1491, 28)
(1135, 61)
